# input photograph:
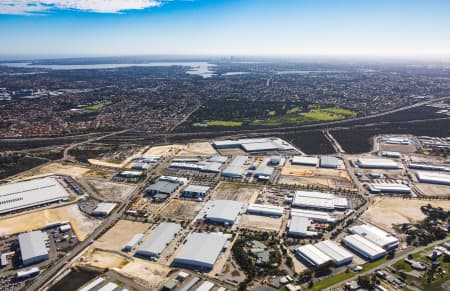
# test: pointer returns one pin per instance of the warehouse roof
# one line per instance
(299, 225)
(313, 215)
(158, 239)
(363, 244)
(163, 187)
(133, 241)
(226, 210)
(312, 255)
(32, 244)
(269, 209)
(318, 200)
(210, 166)
(434, 178)
(31, 193)
(376, 163)
(104, 208)
(389, 188)
(264, 169)
(333, 250)
(255, 144)
(196, 189)
(236, 166)
(329, 162)
(179, 180)
(305, 160)
(202, 248)
(374, 234)
(218, 159)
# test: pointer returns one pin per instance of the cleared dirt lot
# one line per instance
(81, 224)
(236, 191)
(148, 274)
(101, 259)
(181, 209)
(433, 190)
(398, 148)
(260, 222)
(386, 212)
(60, 169)
(110, 190)
(166, 150)
(302, 175)
(121, 233)
(197, 149)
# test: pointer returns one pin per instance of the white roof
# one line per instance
(389, 187)
(333, 250)
(329, 161)
(364, 245)
(30, 193)
(313, 215)
(236, 166)
(109, 287)
(179, 180)
(201, 248)
(104, 208)
(305, 160)
(260, 146)
(374, 234)
(226, 210)
(218, 159)
(196, 189)
(93, 284)
(268, 209)
(299, 225)
(313, 255)
(435, 178)
(32, 244)
(134, 240)
(377, 163)
(264, 169)
(318, 200)
(159, 239)
(205, 286)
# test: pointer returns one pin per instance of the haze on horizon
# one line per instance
(382, 28)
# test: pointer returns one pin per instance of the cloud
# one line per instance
(33, 7)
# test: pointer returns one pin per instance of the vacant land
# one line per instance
(236, 191)
(181, 209)
(166, 150)
(197, 149)
(145, 273)
(386, 212)
(219, 123)
(260, 222)
(60, 169)
(110, 190)
(102, 260)
(121, 233)
(433, 189)
(82, 225)
(303, 175)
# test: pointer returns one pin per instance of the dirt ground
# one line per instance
(116, 165)
(166, 150)
(260, 222)
(299, 175)
(386, 212)
(235, 191)
(197, 149)
(398, 148)
(181, 209)
(60, 169)
(121, 233)
(82, 225)
(110, 190)
(102, 259)
(433, 190)
(148, 274)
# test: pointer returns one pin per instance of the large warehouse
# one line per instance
(31, 193)
(298, 227)
(319, 201)
(377, 236)
(223, 211)
(370, 163)
(363, 247)
(195, 191)
(133, 242)
(433, 178)
(264, 171)
(305, 161)
(160, 237)
(267, 210)
(317, 216)
(255, 144)
(162, 187)
(235, 168)
(201, 251)
(32, 247)
(395, 188)
(312, 256)
(103, 209)
(338, 254)
(330, 162)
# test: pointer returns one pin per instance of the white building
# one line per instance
(319, 201)
(371, 163)
(317, 216)
(133, 242)
(312, 256)
(200, 251)
(375, 235)
(433, 178)
(338, 254)
(305, 161)
(298, 227)
(104, 209)
(195, 191)
(223, 211)
(158, 240)
(32, 247)
(364, 247)
(235, 168)
(389, 154)
(395, 188)
(267, 210)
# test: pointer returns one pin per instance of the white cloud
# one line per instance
(29, 7)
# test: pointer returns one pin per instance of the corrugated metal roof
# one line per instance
(434, 178)
(224, 210)
(363, 244)
(313, 255)
(377, 163)
(304, 160)
(196, 189)
(32, 244)
(235, 167)
(329, 162)
(104, 208)
(333, 250)
(158, 239)
(201, 248)
(374, 234)
(163, 187)
(265, 209)
(318, 200)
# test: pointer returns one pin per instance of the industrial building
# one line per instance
(312, 256)
(140, 166)
(375, 235)
(235, 168)
(21, 275)
(433, 178)
(32, 247)
(338, 254)
(370, 163)
(305, 161)
(264, 171)
(267, 210)
(329, 162)
(319, 201)
(205, 286)
(186, 166)
(195, 191)
(210, 167)
(317, 216)
(389, 154)
(110, 286)
(165, 188)
(133, 242)
(94, 284)
(426, 167)
(131, 174)
(395, 188)
(218, 159)
(103, 209)
(298, 227)
(396, 140)
(178, 180)
(31, 193)
(160, 237)
(363, 247)
(200, 251)
(255, 144)
(223, 211)
(185, 160)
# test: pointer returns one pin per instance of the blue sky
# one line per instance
(225, 27)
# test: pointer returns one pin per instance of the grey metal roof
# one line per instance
(32, 244)
(159, 239)
(236, 166)
(163, 187)
(331, 162)
(196, 189)
(218, 159)
(224, 210)
(299, 225)
(201, 249)
(30, 193)
(333, 250)
(264, 169)
(104, 208)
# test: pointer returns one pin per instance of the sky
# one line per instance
(403, 28)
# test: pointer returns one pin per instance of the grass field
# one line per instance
(99, 106)
(325, 283)
(226, 123)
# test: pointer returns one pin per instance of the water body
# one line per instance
(195, 68)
